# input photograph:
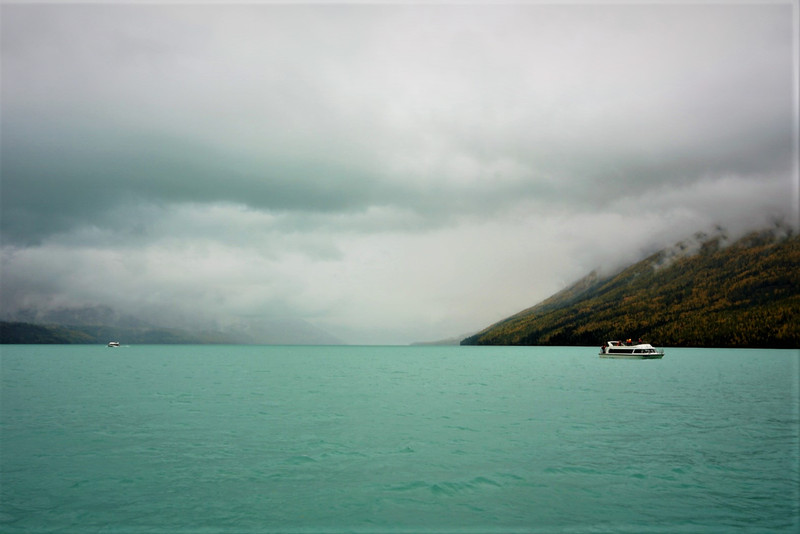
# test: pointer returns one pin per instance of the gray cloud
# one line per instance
(378, 160)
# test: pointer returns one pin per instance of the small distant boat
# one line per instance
(631, 350)
(113, 343)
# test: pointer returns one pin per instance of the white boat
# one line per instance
(113, 343)
(634, 350)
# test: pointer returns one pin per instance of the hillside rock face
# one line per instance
(703, 293)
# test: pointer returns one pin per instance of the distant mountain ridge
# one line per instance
(79, 316)
(15, 332)
(95, 324)
(101, 324)
(703, 292)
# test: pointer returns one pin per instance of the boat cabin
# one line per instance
(629, 348)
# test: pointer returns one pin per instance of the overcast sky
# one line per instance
(387, 172)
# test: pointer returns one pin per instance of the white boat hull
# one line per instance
(654, 356)
(630, 351)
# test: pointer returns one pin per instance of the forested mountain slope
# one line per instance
(743, 294)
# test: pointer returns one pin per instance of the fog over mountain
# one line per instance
(705, 291)
(382, 172)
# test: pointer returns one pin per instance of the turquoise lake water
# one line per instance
(397, 439)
